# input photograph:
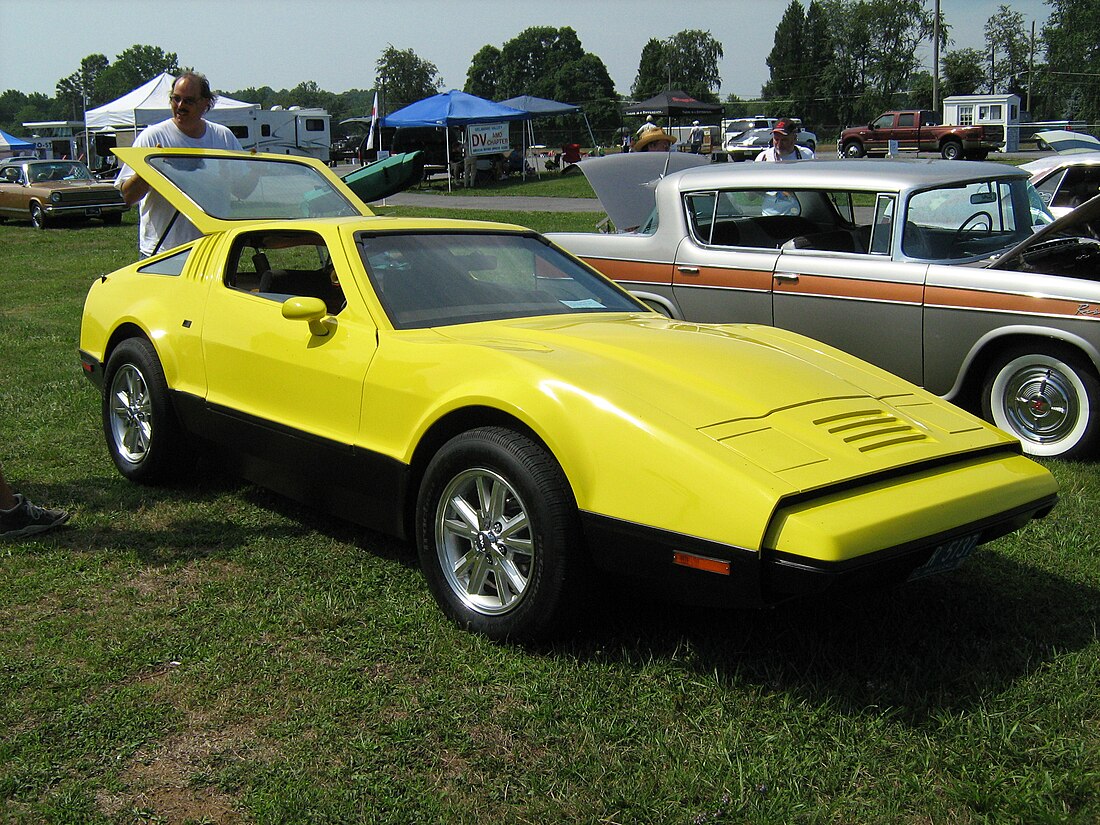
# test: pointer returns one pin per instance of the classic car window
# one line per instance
(57, 170)
(883, 225)
(1079, 185)
(431, 280)
(971, 220)
(1049, 186)
(278, 265)
(248, 188)
(172, 265)
(11, 174)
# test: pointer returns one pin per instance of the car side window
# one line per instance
(883, 225)
(1080, 184)
(700, 214)
(172, 265)
(278, 265)
(1049, 187)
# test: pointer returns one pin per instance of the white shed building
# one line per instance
(983, 110)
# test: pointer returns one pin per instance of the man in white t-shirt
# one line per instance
(160, 227)
(784, 146)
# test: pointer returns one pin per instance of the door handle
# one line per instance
(787, 277)
(688, 270)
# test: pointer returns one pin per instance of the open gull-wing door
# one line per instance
(214, 189)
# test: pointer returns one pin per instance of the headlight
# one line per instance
(55, 197)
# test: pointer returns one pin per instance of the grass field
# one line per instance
(211, 653)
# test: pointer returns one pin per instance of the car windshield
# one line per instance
(432, 280)
(251, 188)
(57, 170)
(971, 220)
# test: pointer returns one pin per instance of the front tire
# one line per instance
(1049, 400)
(38, 216)
(143, 434)
(853, 149)
(498, 535)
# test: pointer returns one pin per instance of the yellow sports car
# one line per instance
(528, 421)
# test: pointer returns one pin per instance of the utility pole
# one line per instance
(1031, 67)
(936, 58)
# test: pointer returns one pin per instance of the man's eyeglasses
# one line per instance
(190, 101)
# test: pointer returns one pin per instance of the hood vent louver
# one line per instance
(870, 429)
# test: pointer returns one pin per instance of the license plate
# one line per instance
(947, 556)
(92, 211)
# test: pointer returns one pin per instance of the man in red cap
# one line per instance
(783, 144)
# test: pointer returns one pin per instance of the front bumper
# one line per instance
(871, 537)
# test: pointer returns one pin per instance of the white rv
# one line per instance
(290, 131)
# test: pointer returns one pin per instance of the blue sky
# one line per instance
(280, 43)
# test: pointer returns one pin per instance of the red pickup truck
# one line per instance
(919, 131)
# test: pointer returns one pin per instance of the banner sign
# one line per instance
(488, 138)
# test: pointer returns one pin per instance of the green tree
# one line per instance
(405, 78)
(963, 72)
(652, 77)
(482, 78)
(1070, 35)
(818, 89)
(1008, 50)
(785, 61)
(79, 88)
(693, 56)
(687, 61)
(875, 58)
(17, 108)
(132, 67)
(530, 62)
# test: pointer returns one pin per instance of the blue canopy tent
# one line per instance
(453, 108)
(10, 144)
(541, 107)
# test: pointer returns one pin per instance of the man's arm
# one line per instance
(133, 189)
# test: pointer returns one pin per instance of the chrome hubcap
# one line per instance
(130, 414)
(484, 541)
(1040, 403)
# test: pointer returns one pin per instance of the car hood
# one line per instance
(785, 402)
(70, 185)
(1083, 221)
(625, 183)
(217, 189)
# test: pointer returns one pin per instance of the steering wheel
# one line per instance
(972, 223)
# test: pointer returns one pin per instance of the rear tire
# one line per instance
(499, 536)
(951, 150)
(1050, 400)
(144, 437)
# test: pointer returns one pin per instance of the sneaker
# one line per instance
(25, 519)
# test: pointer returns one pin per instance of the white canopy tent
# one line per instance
(148, 104)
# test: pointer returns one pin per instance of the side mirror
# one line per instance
(310, 310)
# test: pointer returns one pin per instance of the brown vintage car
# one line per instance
(43, 191)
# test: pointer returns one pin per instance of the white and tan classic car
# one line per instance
(950, 275)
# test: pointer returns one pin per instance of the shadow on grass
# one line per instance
(936, 645)
(941, 644)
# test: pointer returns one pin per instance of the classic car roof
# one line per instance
(866, 174)
(1041, 165)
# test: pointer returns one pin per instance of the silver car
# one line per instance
(951, 276)
(1065, 181)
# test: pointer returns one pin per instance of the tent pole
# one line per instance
(447, 143)
(588, 126)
